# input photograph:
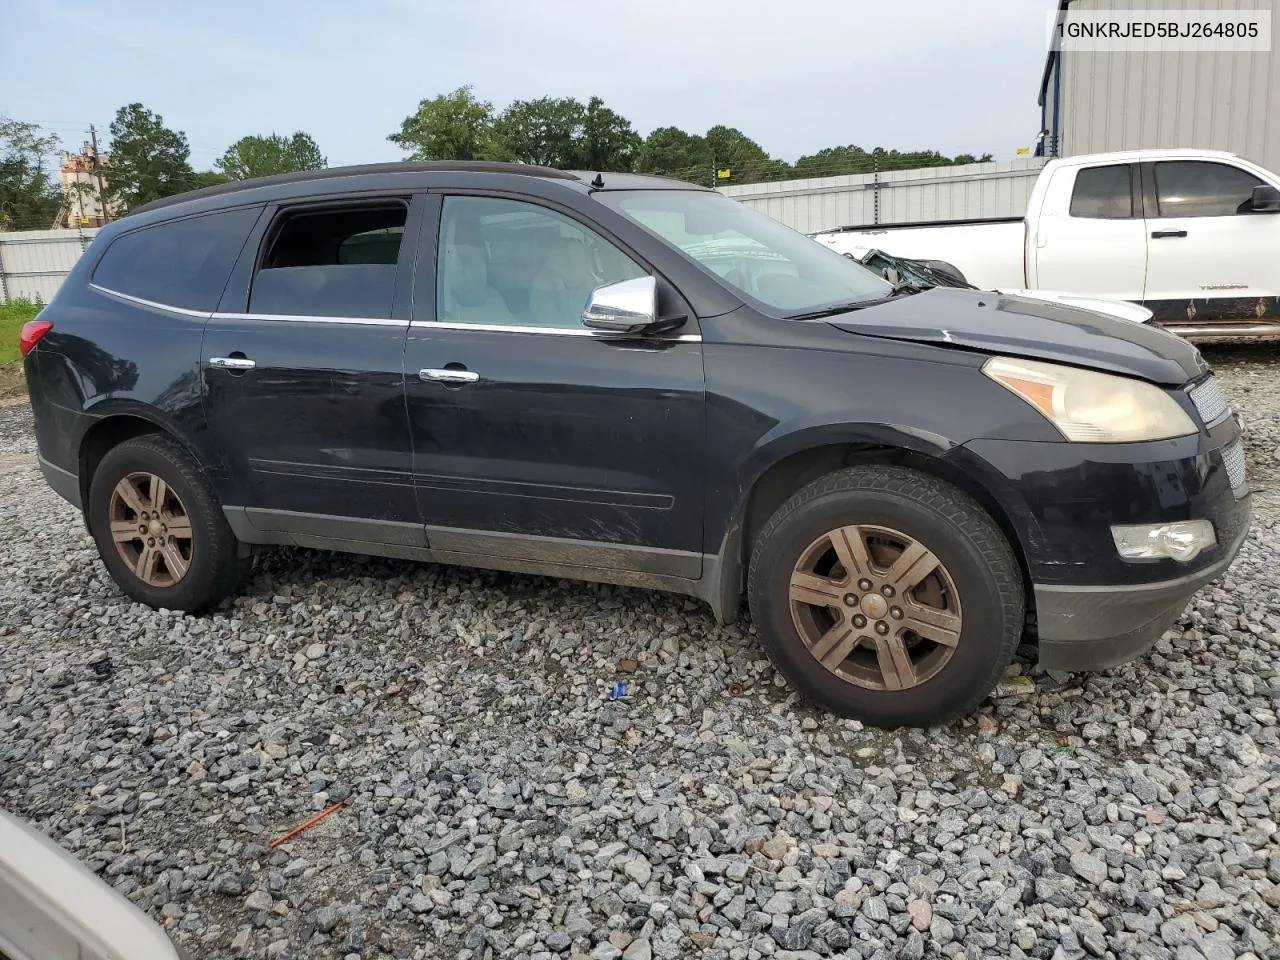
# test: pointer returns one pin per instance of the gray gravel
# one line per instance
(500, 803)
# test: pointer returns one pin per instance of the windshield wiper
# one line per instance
(898, 290)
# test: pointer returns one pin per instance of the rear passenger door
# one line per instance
(535, 438)
(302, 370)
(1090, 237)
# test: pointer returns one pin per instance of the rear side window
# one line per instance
(1103, 193)
(1201, 188)
(336, 262)
(181, 263)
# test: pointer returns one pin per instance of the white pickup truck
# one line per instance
(1190, 234)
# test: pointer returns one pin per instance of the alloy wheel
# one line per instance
(151, 529)
(875, 607)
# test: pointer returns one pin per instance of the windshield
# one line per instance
(783, 270)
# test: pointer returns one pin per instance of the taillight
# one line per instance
(32, 331)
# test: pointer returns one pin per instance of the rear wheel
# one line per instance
(887, 595)
(159, 528)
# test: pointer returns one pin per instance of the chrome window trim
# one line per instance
(207, 315)
(384, 321)
(130, 298)
(553, 331)
(305, 318)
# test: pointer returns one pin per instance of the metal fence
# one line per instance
(966, 192)
(33, 262)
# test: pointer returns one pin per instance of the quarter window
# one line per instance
(181, 263)
(1199, 188)
(515, 263)
(1103, 193)
(336, 262)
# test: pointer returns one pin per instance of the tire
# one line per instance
(976, 578)
(213, 567)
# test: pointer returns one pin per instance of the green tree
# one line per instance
(148, 160)
(849, 159)
(671, 152)
(452, 126)
(607, 142)
(970, 158)
(210, 178)
(259, 156)
(545, 131)
(29, 197)
(746, 160)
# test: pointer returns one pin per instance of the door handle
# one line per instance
(1161, 234)
(449, 376)
(232, 363)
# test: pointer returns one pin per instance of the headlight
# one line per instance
(1091, 407)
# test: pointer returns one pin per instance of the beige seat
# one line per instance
(563, 286)
(468, 295)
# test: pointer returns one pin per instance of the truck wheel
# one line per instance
(159, 528)
(887, 595)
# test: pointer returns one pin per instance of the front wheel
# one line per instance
(159, 528)
(886, 595)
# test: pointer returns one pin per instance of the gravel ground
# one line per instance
(499, 801)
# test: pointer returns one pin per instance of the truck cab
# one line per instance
(1186, 232)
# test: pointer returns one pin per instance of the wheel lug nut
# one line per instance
(142, 528)
(896, 613)
(887, 591)
(151, 541)
(859, 621)
(864, 585)
(882, 627)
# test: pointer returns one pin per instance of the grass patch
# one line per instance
(13, 314)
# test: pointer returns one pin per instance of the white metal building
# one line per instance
(965, 192)
(1095, 102)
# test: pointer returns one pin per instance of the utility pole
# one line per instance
(97, 172)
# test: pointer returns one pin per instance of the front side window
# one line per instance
(335, 262)
(785, 271)
(182, 263)
(508, 262)
(1201, 188)
(1103, 193)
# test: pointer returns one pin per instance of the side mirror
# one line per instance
(628, 306)
(1265, 199)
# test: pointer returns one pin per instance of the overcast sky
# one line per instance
(908, 74)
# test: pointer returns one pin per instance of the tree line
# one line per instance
(568, 134)
(149, 160)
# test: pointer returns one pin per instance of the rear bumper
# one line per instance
(1095, 627)
(65, 483)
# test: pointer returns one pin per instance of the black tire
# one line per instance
(944, 520)
(215, 569)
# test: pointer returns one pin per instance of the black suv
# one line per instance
(633, 380)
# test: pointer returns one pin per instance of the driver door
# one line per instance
(535, 438)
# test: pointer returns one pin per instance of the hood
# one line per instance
(999, 323)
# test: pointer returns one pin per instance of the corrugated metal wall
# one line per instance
(1212, 100)
(966, 192)
(33, 262)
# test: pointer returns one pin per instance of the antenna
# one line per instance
(598, 182)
